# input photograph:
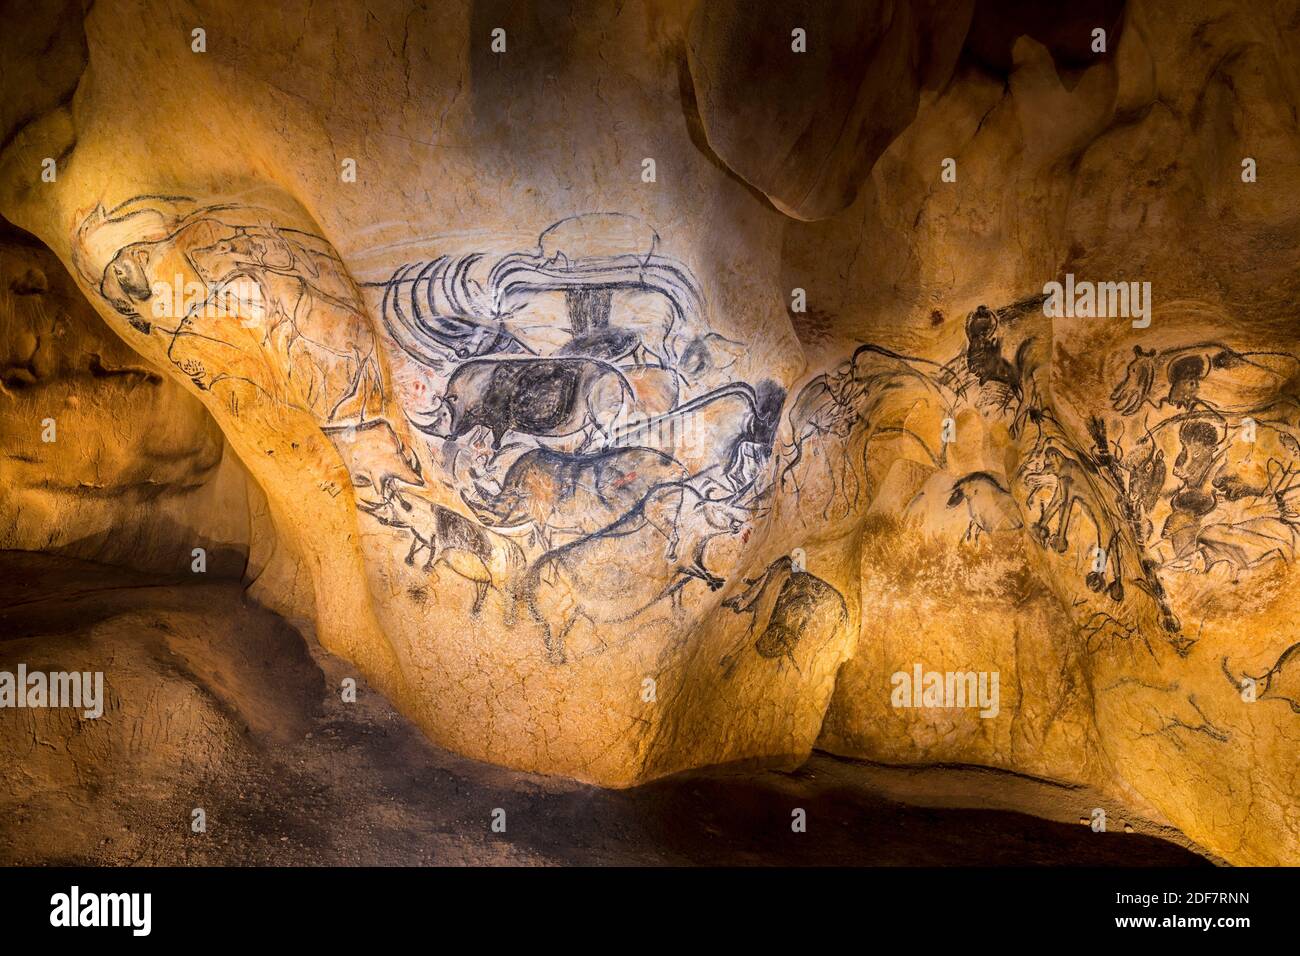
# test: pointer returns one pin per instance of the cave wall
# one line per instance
(556, 456)
(105, 458)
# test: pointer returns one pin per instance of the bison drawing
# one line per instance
(796, 604)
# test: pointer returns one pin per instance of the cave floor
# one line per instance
(301, 778)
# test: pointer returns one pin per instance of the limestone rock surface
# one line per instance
(105, 457)
(629, 393)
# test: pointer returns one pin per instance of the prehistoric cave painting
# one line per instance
(1076, 492)
(296, 332)
(593, 341)
(1280, 682)
(624, 302)
(1212, 377)
(567, 400)
(562, 495)
(634, 570)
(583, 407)
(588, 443)
(990, 506)
(376, 458)
(489, 560)
(837, 414)
(1073, 500)
(795, 604)
(995, 381)
(584, 413)
(1229, 420)
(1194, 475)
(290, 291)
(1194, 468)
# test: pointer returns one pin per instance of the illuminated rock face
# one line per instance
(600, 464)
(105, 458)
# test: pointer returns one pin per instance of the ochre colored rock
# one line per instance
(105, 457)
(600, 462)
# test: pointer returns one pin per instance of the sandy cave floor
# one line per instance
(214, 702)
